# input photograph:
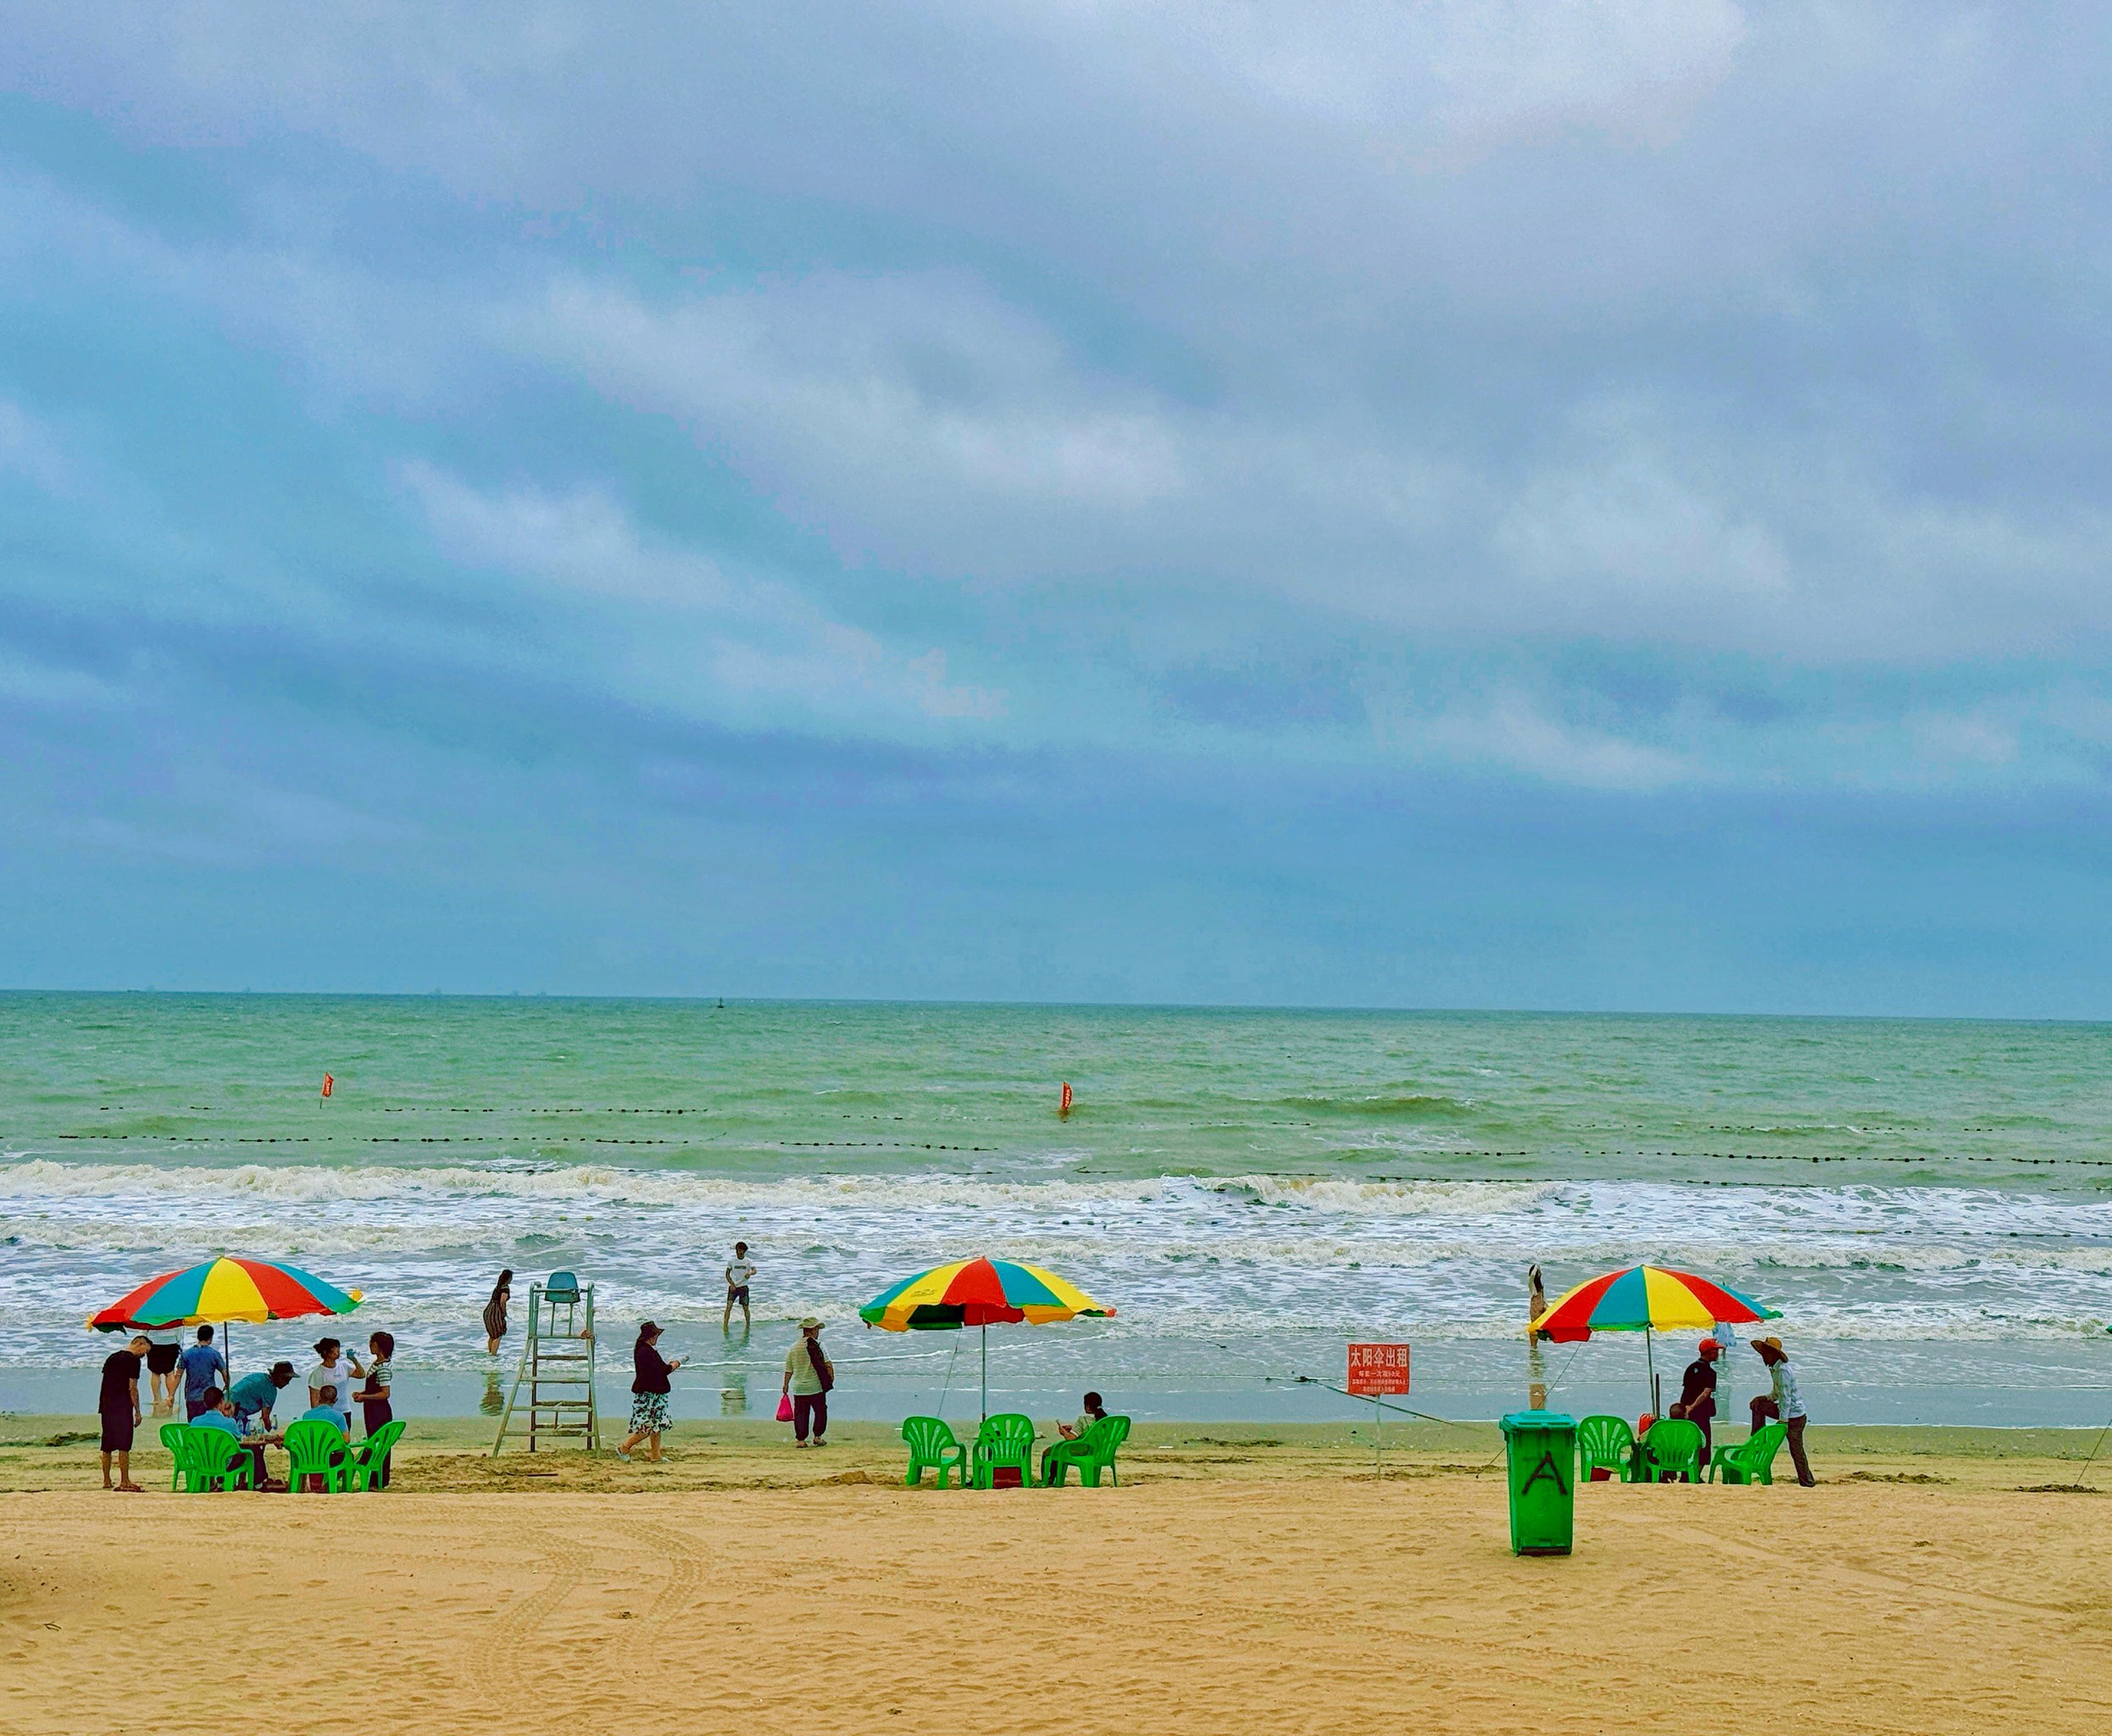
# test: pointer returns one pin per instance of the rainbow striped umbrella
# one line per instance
(979, 1292)
(225, 1289)
(1645, 1300)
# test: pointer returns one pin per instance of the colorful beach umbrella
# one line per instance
(979, 1292)
(1646, 1299)
(222, 1290)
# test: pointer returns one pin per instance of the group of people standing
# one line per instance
(803, 1394)
(243, 1408)
(1782, 1403)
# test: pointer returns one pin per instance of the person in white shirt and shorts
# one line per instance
(740, 1273)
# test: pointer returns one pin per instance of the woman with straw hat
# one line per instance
(807, 1378)
(1783, 1403)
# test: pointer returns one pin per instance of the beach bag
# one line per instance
(784, 1407)
(823, 1370)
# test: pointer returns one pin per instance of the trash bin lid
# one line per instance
(1519, 1421)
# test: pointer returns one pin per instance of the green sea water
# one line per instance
(1929, 1205)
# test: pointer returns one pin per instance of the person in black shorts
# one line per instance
(739, 1274)
(161, 1364)
(118, 1407)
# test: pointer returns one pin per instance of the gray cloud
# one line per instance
(1199, 343)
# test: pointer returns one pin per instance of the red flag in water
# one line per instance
(1064, 1107)
(327, 1083)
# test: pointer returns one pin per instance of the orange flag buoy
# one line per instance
(1062, 1107)
(328, 1084)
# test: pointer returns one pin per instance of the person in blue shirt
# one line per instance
(202, 1367)
(324, 1409)
(217, 1413)
(253, 1395)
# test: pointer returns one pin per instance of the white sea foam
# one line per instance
(1267, 1260)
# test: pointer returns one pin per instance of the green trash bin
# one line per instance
(1542, 1448)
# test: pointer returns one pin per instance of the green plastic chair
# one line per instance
(317, 1448)
(1605, 1442)
(1752, 1460)
(1671, 1450)
(363, 1470)
(222, 1461)
(1003, 1442)
(186, 1469)
(1093, 1452)
(933, 1446)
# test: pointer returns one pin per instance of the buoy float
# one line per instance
(328, 1083)
(1062, 1107)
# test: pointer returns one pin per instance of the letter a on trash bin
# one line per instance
(1547, 1467)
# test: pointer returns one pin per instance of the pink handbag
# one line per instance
(784, 1407)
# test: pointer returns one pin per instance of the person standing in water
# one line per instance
(739, 1274)
(164, 1346)
(495, 1311)
(1535, 1370)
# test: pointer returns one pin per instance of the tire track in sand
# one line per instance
(501, 1660)
(687, 1568)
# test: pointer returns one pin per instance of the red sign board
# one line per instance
(1374, 1369)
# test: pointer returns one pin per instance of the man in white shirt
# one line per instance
(1783, 1403)
(740, 1272)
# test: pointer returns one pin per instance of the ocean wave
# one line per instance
(1405, 1105)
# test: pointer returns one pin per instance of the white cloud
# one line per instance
(685, 633)
(1511, 732)
(882, 406)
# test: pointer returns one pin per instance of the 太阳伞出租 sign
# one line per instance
(1377, 1369)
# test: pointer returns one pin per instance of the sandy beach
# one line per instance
(1243, 1579)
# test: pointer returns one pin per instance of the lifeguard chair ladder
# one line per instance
(556, 1366)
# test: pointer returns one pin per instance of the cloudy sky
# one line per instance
(1579, 503)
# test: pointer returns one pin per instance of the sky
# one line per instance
(1590, 504)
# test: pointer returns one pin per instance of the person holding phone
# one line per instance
(650, 1415)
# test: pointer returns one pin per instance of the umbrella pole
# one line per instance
(1649, 1357)
(985, 1331)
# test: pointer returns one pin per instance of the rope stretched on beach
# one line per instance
(1307, 1380)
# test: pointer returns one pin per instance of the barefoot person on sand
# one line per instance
(119, 1408)
(650, 1415)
